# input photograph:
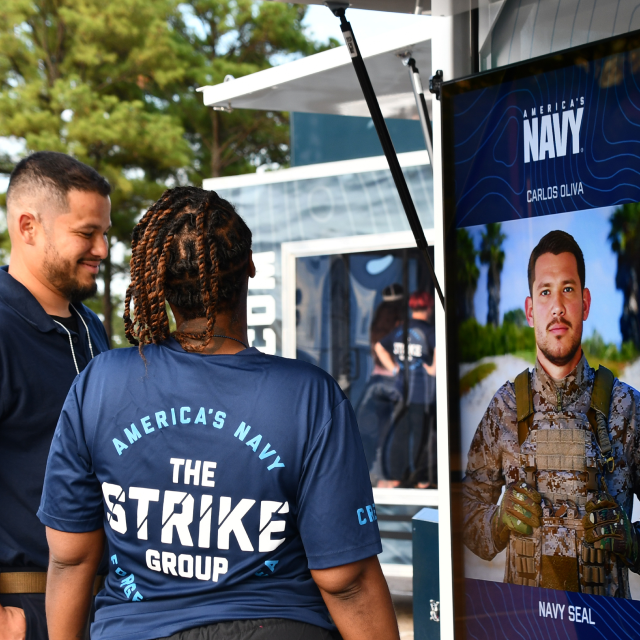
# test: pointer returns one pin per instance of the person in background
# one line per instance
(58, 214)
(407, 447)
(380, 396)
(231, 485)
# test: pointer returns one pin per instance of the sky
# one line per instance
(590, 229)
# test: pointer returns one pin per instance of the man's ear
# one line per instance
(252, 267)
(586, 303)
(528, 310)
(28, 227)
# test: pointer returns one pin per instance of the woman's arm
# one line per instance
(431, 369)
(358, 600)
(385, 357)
(73, 562)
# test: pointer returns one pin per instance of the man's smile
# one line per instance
(92, 265)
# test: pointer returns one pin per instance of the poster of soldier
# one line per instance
(542, 191)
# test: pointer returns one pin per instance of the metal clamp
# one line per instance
(435, 84)
(337, 6)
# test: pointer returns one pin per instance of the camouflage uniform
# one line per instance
(565, 451)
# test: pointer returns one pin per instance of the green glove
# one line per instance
(519, 511)
(607, 526)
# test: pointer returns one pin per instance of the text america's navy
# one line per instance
(220, 481)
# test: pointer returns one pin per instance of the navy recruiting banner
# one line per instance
(542, 185)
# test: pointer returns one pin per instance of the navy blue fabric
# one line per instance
(422, 343)
(286, 486)
(36, 372)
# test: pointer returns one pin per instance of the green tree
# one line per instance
(236, 38)
(491, 254)
(625, 242)
(468, 274)
(82, 77)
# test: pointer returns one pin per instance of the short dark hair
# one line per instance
(58, 173)
(556, 242)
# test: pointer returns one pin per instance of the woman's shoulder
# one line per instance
(298, 369)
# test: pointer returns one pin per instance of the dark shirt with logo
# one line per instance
(36, 372)
(220, 481)
(421, 346)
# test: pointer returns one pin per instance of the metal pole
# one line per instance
(421, 104)
(338, 9)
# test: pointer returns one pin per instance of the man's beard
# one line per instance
(59, 274)
(560, 360)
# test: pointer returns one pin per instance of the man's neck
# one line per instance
(51, 300)
(558, 372)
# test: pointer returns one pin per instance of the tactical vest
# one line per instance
(563, 455)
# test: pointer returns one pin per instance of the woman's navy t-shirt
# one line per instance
(220, 480)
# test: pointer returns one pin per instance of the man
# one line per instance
(410, 447)
(565, 441)
(58, 212)
(231, 485)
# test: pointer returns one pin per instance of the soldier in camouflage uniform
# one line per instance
(566, 447)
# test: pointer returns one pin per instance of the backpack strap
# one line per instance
(599, 412)
(524, 404)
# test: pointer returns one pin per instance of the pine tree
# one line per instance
(82, 76)
(113, 84)
(236, 38)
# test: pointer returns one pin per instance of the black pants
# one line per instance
(427, 462)
(411, 447)
(263, 629)
(33, 606)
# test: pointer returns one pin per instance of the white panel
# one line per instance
(326, 82)
(261, 310)
(323, 170)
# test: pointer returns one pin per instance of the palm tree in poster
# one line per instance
(468, 274)
(625, 243)
(491, 254)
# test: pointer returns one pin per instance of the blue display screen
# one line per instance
(541, 165)
(563, 140)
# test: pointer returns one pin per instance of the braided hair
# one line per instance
(191, 248)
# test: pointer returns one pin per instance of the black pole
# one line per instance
(474, 17)
(338, 10)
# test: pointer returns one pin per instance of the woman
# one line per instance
(231, 485)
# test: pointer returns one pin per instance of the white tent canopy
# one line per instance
(397, 6)
(418, 7)
(326, 82)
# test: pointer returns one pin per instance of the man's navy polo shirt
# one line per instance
(36, 373)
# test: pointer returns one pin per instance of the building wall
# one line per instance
(350, 203)
(529, 28)
(318, 138)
